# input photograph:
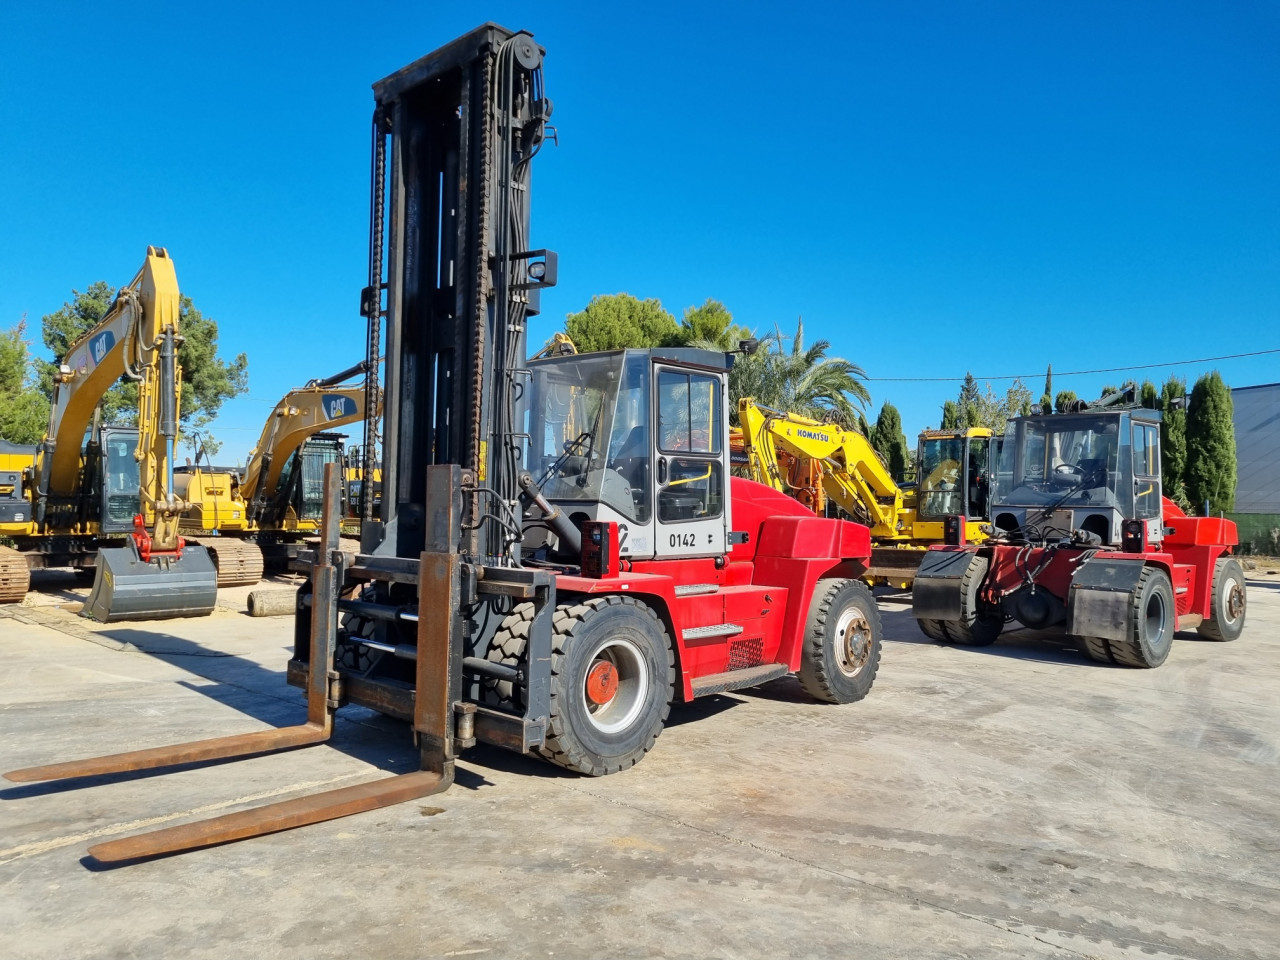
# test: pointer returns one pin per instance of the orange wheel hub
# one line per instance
(602, 682)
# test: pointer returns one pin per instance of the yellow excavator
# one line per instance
(270, 510)
(99, 496)
(825, 466)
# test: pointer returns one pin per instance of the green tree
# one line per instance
(1046, 398)
(800, 380)
(1148, 396)
(968, 401)
(1173, 441)
(1211, 445)
(1064, 397)
(976, 408)
(24, 410)
(207, 380)
(710, 326)
(890, 442)
(615, 321)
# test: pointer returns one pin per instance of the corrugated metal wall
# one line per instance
(1257, 421)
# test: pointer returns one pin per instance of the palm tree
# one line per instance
(803, 381)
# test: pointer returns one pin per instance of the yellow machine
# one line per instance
(276, 504)
(353, 480)
(110, 502)
(822, 464)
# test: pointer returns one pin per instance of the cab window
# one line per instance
(688, 413)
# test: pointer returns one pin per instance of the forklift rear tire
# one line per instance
(933, 629)
(1227, 602)
(612, 675)
(1098, 649)
(841, 651)
(976, 627)
(1152, 616)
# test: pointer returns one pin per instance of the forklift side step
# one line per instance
(738, 679)
(274, 817)
(218, 748)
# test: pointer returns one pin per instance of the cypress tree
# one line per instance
(1064, 397)
(1173, 441)
(889, 442)
(1148, 396)
(968, 401)
(1211, 446)
(950, 415)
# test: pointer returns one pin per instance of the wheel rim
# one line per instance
(1232, 601)
(615, 685)
(1155, 615)
(853, 641)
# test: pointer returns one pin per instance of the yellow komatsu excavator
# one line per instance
(276, 504)
(824, 465)
(103, 496)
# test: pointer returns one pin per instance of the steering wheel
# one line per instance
(1067, 475)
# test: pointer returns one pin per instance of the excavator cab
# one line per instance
(121, 478)
(637, 438)
(954, 474)
(301, 486)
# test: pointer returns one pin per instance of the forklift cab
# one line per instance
(1086, 471)
(638, 438)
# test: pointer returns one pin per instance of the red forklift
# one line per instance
(1083, 541)
(559, 552)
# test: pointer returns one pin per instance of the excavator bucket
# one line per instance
(126, 587)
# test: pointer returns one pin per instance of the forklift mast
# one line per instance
(454, 134)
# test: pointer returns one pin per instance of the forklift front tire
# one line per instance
(612, 675)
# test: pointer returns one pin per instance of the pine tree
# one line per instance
(1211, 446)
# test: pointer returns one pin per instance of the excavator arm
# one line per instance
(300, 414)
(849, 469)
(127, 342)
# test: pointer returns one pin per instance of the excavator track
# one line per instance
(239, 562)
(15, 576)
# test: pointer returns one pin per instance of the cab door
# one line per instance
(690, 462)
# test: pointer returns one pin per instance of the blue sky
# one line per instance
(933, 187)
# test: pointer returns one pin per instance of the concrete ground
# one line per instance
(1018, 801)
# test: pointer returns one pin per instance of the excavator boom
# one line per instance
(300, 414)
(817, 462)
